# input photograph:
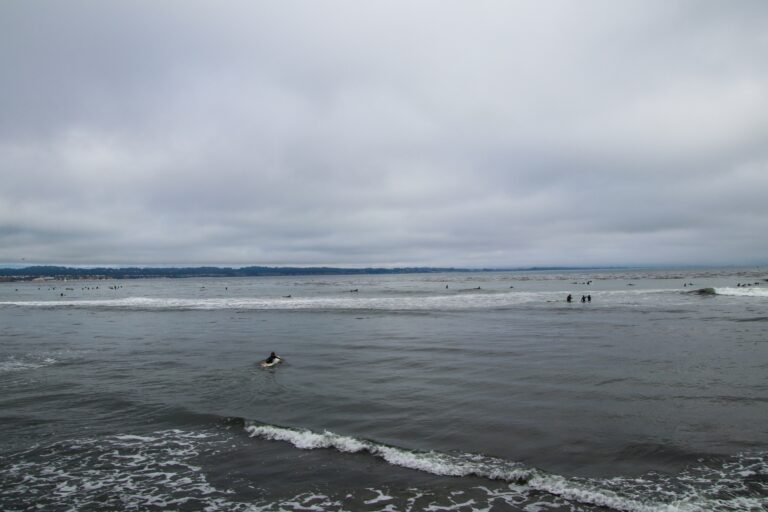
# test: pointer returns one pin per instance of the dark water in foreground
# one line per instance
(403, 395)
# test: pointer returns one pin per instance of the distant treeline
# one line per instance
(180, 272)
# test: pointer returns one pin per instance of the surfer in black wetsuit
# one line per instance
(271, 358)
(569, 298)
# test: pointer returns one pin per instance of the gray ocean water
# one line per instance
(456, 391)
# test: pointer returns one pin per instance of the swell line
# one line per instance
(437, 463)
(419, 302)
(694, 493)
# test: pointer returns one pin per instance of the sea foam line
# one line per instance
(436, 463)
(629, 498)
(742, 292)
(423, 302)
(13, 364)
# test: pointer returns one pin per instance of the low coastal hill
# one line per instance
(57, 272)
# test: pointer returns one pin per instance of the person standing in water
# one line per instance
(569, 298)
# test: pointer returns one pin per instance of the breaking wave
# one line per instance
(742, 292)
(704, 291)
(423, 302)
(436, 463)
(732, 291)
(166, 470)
(739, 485)
(417, 301)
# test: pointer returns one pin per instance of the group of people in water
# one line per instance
(584, 298)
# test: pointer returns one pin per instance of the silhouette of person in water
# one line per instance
(271, 358)
(569, 298)
(583, 298)
(589, 298)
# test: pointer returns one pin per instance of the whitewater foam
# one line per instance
(128, 471)
(411, 302)
(13, 364)
(432, 462)
(697, 490)
(161, 470)
(742, 292)
(458, 301)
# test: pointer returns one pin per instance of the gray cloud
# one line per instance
(380, 133)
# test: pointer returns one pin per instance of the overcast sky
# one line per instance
(384, 133)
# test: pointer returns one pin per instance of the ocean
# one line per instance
(473, 391)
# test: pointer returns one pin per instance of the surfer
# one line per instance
(272, 360)
(569, 298)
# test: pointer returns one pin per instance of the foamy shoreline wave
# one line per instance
(163, 470)
(436, 463)
(626, 494)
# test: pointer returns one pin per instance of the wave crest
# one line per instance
(732, 291)
(398, 303)
(694, 490)
(436, 463)
(742, 292)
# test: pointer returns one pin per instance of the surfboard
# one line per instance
(275, 362)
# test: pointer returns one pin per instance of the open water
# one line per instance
(476, 391)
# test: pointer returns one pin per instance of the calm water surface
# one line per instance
(479, 391)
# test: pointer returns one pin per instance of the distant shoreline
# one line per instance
(49, 272)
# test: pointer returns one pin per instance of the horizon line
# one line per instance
(22, 266)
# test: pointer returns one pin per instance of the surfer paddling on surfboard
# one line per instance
(272, 360)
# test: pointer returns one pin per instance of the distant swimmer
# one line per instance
(583, 298)
(569, 298)
(589, 298)
(272, 360)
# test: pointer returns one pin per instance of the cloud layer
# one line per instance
(384, 133)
